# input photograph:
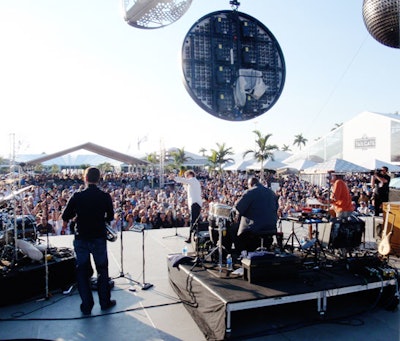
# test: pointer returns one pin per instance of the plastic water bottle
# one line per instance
(229, 262)
(308, 244)
(185, 250)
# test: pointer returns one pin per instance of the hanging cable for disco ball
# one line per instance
(150, 14)
(382, 19)
(233, 66)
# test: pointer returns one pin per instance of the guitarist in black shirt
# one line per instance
(92, 209)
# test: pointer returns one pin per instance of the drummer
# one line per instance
(258, 210)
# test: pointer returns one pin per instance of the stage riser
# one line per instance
(197, 302)
(29, 281)
(211, 299)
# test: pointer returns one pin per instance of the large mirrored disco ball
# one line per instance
(382, 19)
(150, 14)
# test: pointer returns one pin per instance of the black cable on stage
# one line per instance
(89, 316)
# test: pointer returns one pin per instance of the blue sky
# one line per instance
(73, 71)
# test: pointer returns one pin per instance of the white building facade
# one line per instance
(363, 140)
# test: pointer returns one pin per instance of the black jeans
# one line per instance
(195, 210)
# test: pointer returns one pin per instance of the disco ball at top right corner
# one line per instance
(381, 17)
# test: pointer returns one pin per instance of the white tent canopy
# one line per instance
(269, 164)
(395, 183)
(299, 165)
(336, 165)
(237, 166)
(238, 163)
(375, 164)
(249, 163)
(317, 174)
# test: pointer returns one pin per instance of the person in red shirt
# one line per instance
(340, 197)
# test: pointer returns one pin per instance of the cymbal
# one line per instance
(14, 194)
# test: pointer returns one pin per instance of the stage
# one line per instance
(213, 296)
(160, 313)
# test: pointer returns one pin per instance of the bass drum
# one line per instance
(26, 229)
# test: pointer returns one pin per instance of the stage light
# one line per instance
(233, 66)
(382, 19)
(150, 14)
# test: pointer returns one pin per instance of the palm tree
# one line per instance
(221, 154)
(263, 151)
(106, 167)
(300, 140)
(285, 148)
(179, 157)
(152, 158)
(213, 160)
(203, 151)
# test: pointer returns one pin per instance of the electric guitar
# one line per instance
(384, 245)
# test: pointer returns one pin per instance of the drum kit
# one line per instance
(18, 233)
(220, 220)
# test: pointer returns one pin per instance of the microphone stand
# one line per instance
(122, 274)
(176, 234)
(144, 285)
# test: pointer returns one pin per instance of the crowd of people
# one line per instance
(137, 201)
(85, 204)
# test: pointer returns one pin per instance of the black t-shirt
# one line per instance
(383, 188)
(92, 208)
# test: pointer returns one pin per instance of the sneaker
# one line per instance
(189, 240)
(111, 304)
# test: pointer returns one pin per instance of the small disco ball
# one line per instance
(150, 14)
(382, 19)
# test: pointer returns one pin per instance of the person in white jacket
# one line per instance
(193, 189)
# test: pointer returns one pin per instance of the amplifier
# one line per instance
(346, 233)
(268, 266)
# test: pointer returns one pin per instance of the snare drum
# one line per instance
(221, 211)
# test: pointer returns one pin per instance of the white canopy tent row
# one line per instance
(395, 183)
(317, 174)
(298, 165)
(269, 164)
(377, 164)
